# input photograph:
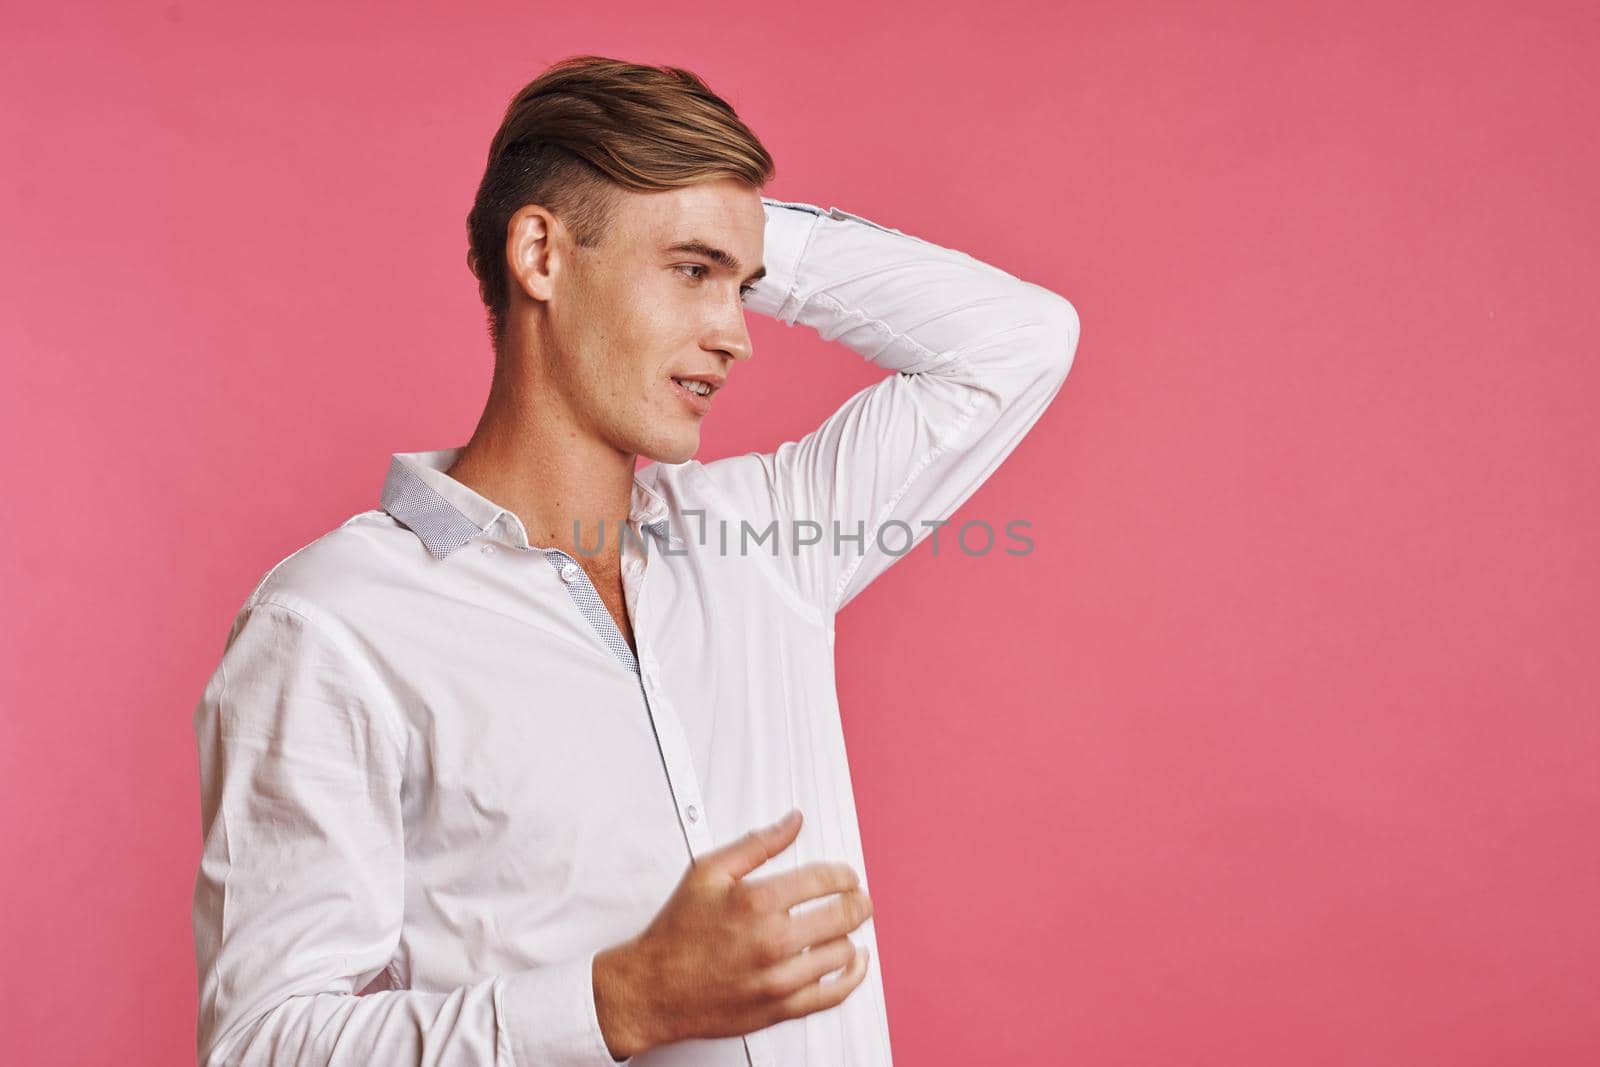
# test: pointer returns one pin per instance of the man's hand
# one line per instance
(724, 956)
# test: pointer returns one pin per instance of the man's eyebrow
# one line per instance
(721, 257)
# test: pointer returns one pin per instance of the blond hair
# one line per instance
(585, 128)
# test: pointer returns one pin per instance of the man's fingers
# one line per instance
(841, 914)
(819, 996)
(806, 883)
(738, 858)
(815, 963)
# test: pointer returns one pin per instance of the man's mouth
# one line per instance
(695, 387)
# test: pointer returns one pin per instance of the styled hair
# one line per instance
(583, 130)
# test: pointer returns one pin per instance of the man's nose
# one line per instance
(732, 337)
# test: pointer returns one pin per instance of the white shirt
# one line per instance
(432, 771)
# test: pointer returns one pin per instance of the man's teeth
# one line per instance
(702, 388)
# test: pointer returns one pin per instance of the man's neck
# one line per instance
(528, 456)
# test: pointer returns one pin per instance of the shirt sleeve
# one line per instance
(299, 899)
(977, 355)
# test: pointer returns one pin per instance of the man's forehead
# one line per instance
(703, 211)
(720, 225)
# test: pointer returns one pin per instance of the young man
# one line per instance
(494, 774)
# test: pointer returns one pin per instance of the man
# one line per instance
(496, 773)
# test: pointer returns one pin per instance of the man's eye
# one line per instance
(744, 290)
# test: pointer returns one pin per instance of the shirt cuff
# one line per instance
(549, 1017)
(789, 225)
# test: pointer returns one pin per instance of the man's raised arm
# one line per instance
(300, 893)
(978, 355)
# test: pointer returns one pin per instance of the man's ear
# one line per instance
(532, 253)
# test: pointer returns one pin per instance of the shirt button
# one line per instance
(569, 573)
(693, 813)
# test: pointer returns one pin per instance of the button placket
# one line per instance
(758, 1048)
(675, 756)
(685, 784)
(588, 603)
(674, 744)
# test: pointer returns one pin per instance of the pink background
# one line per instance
(1282, 745)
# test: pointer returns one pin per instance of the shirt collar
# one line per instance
(445, 514)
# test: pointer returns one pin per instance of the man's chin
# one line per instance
(669, 452)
